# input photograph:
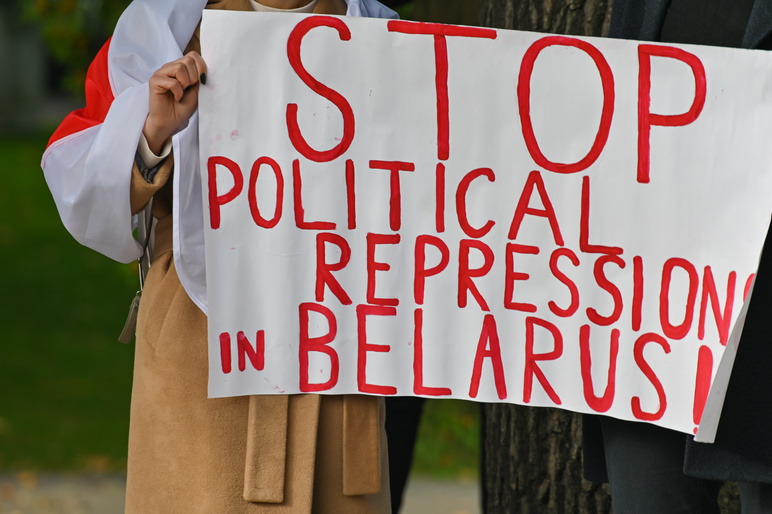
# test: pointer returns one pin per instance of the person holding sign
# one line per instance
(649, 468)
(129, 147)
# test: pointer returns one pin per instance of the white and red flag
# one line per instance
(88, 160)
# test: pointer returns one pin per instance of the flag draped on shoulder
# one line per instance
(89, 158)
(99, 97)
(88, 161)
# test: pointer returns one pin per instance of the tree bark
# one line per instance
(532, 462)
(576, 17)
(532, 457)
(457, 12)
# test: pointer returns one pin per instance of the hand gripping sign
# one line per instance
(397, 208)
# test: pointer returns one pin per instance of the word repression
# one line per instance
(523, 277)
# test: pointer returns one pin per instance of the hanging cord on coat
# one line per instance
(144, 232)
(144, 228)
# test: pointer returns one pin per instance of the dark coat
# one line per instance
(743, 446)
(642, 20)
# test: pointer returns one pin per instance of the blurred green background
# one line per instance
(65, 381)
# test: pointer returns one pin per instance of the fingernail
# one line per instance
(203, 78)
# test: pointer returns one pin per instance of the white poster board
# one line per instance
(441, 211)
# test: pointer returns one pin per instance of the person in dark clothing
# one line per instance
(651, 469)
(403, 417)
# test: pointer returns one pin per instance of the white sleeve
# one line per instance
(370, 9)
(150, 159)
(89, 175)
(88, 165)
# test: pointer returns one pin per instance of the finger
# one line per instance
(186, 70)
(191, 70)
(163, 84)
(200, 65)
(189, 101)
(175, 71)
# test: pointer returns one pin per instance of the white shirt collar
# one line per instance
(308, 8)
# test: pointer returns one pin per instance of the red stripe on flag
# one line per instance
(99, 97)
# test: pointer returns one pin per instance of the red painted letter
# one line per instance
(677, 331)
(317, 344)
(603, 403)
(256, 354)
(574, 305)
(640, 344)
(524, 103)
(610, 288)
(439, 194)
(225, 352)
(702, 382)
(324, 269)
(637, 292)
(300, 213)
(259, 219)
(534, 179)
(531, 367)
(709, 291)
(293, 53)
(441, 63)
(373, 266)
(488, 335)
(584, 225)
(465, 275)
(395, 202)
(351, 196)
(216, 201)
(463, 187)
(421, 272)
(510, 275)
(363, 347)
(645, 117)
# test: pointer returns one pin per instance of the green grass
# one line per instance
(448, 443)
(65, 381)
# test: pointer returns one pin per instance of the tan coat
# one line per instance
(257, 454)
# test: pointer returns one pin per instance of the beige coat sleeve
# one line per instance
(142, 190)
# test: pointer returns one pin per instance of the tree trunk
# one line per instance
(457, 12)
(532, 462)
(576, 17)
(532, 457)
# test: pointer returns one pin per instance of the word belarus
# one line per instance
(400, 208)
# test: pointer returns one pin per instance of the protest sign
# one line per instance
(457, 212)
